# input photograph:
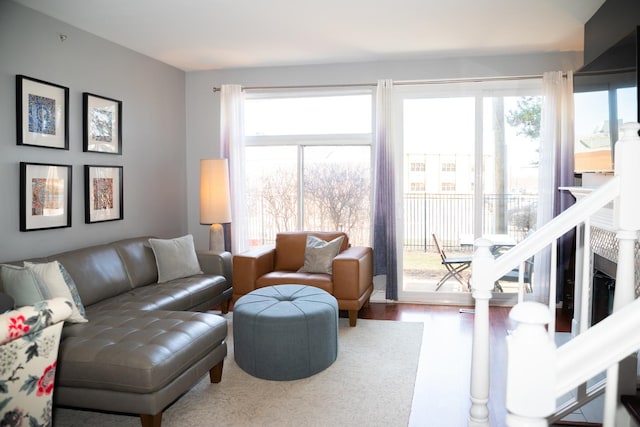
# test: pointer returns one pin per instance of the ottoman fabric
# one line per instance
(285, 332)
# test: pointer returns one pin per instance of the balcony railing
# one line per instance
(447, 215)
(451, 215)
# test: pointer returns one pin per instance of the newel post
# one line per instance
(626, 217)
(482, 284)
(531, 361)
(626, 212)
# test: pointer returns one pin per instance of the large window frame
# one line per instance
(303, 141)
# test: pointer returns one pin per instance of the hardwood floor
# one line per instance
(441, 397)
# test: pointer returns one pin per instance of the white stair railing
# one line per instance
(535, 367)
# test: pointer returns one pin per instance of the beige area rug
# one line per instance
(370, 384)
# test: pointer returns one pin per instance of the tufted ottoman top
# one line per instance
(285, 332)
(283, 301)
(136, 351)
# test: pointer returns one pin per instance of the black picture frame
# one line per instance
(42, 113)
(103, 189)
(45, 196)
(101, 124)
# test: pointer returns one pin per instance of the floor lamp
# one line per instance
(215, 204)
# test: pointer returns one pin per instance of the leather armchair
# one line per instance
(351, 282)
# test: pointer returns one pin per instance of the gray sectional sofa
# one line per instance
(145, 343)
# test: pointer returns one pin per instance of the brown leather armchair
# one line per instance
(351, 282)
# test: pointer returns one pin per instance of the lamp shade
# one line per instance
(215, 204)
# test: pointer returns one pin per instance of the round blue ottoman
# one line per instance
(285, 332)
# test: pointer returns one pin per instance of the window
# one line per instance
(417, 186)
(448, 167)
(592, 134)
(602, 103)
(417, 167)
(308, 163)
(448, 186)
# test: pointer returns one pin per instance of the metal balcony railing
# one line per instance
(447, 215)
(451, 215)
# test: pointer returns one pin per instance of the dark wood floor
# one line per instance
(419, 312)
(441, 397)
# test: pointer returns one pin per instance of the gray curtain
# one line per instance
(384, 211)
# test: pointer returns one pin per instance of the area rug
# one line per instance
(370, 384)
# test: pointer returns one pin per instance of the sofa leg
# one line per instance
(353, 317)
(224, 307)
(215, 374)
(151, 420)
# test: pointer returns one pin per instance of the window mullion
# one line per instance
(301, 224)
(478, 208)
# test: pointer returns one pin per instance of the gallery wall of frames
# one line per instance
(42, 121)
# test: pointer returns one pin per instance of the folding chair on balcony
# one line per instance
(454, 266)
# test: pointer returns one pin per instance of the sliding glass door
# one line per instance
(470, 162)
(438, 172)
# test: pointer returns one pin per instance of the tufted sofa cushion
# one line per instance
(136, 351)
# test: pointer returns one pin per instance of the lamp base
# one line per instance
(216, 238)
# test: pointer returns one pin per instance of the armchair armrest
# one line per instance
(353, 273)
(219, 263)
(249, 266)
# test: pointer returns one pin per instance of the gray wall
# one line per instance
(153, 96)
(203, 106)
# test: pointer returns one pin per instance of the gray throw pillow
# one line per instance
(175, 258)
(319, 255)
(23, 284)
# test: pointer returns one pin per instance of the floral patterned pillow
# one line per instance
(29, 340)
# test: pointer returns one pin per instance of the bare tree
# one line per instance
(280, 199)
(336, 196)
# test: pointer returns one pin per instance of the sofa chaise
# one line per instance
(144, 343)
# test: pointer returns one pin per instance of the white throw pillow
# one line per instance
(319, 255)
(175, 258)
(52, 277)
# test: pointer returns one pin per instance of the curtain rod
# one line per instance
(397, 83)
(217, 89)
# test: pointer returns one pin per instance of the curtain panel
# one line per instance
(232, 147)
(384, 212)
(556, 170)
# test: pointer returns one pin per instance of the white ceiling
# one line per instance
(217, 34)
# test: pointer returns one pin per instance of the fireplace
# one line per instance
(605, 256)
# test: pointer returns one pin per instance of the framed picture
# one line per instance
(45, 196)
(103, 193)
(102, 124)
(42, 113)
